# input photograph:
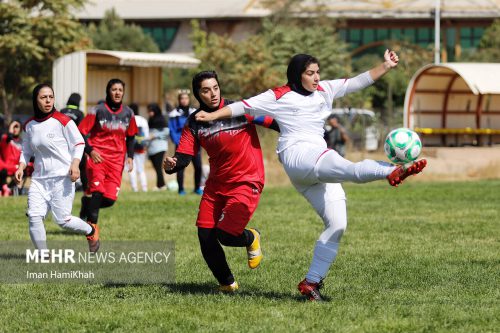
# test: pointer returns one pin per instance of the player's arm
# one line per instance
(176, 163)
(85, 127)
(77, 145)
(264, 121)
(391, 60)
(261, 105)
(131, 132)
(341, 87)
(187, 148)
(26, 155)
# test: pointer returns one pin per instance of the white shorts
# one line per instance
(299, 162)
(139, 161)
(56, 194)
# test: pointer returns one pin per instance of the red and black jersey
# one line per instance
(108, 129)
(232, 146)
(10, 151)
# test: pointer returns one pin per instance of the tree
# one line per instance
(260, 61)
(113, 34)
(489, 46)
(33, 33)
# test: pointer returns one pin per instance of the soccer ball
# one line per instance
(402, 146)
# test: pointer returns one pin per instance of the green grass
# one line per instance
(420, 258)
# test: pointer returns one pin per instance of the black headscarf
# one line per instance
(12, 134)
(296, 67)
(74, 99)
(197, 80)
(109, 101)
(39, 114)
(157, 120)
(134, 108)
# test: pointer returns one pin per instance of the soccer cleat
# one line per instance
(311, 290)
(182, 193)
(231, 288)
(254, 251)
(93, 240)
(198, 191)
(403, 171)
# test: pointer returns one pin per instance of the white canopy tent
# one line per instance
(455, 104)
(87, 72)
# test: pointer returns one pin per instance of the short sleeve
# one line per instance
(87, 123)
(188, 143)
(261, 105)
(132, 127)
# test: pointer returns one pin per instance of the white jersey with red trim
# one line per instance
(54, 142)
(300, 118)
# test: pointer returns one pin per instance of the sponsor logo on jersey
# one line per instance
(231, 126)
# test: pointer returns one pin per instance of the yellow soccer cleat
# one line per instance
(229, 288)
(254, 251)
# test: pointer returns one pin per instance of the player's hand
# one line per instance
(130, 164)
(18, 176)
(74, 170)
(169, 163)
(204, 116)
(391, 59)
(96, 157)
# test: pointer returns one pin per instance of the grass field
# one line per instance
(420, 258)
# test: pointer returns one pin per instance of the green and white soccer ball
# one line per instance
(402, 146)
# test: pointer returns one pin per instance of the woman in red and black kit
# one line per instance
(10, 151)
(236, 179)
(109, 132)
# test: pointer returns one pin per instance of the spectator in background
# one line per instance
(73, 111)
(176, 121)
(72, 108)
(10, 151)
(158, 142)
(139, 151)
(336, 135)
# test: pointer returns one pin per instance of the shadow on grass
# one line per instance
(193, 288)
(60, 232)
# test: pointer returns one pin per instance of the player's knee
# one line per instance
(106, 202)
(93, 215)
(35, 220)
(63, 222)
(224, 237)
(334, 230)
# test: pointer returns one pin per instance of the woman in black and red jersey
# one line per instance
(232, 190)
(109, 131)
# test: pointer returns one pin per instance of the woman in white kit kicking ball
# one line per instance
(57, 145)
(300, 108)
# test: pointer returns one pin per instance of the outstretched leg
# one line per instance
(333, 168)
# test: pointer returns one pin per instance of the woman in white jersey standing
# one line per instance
(53, 139)
(300, 109)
